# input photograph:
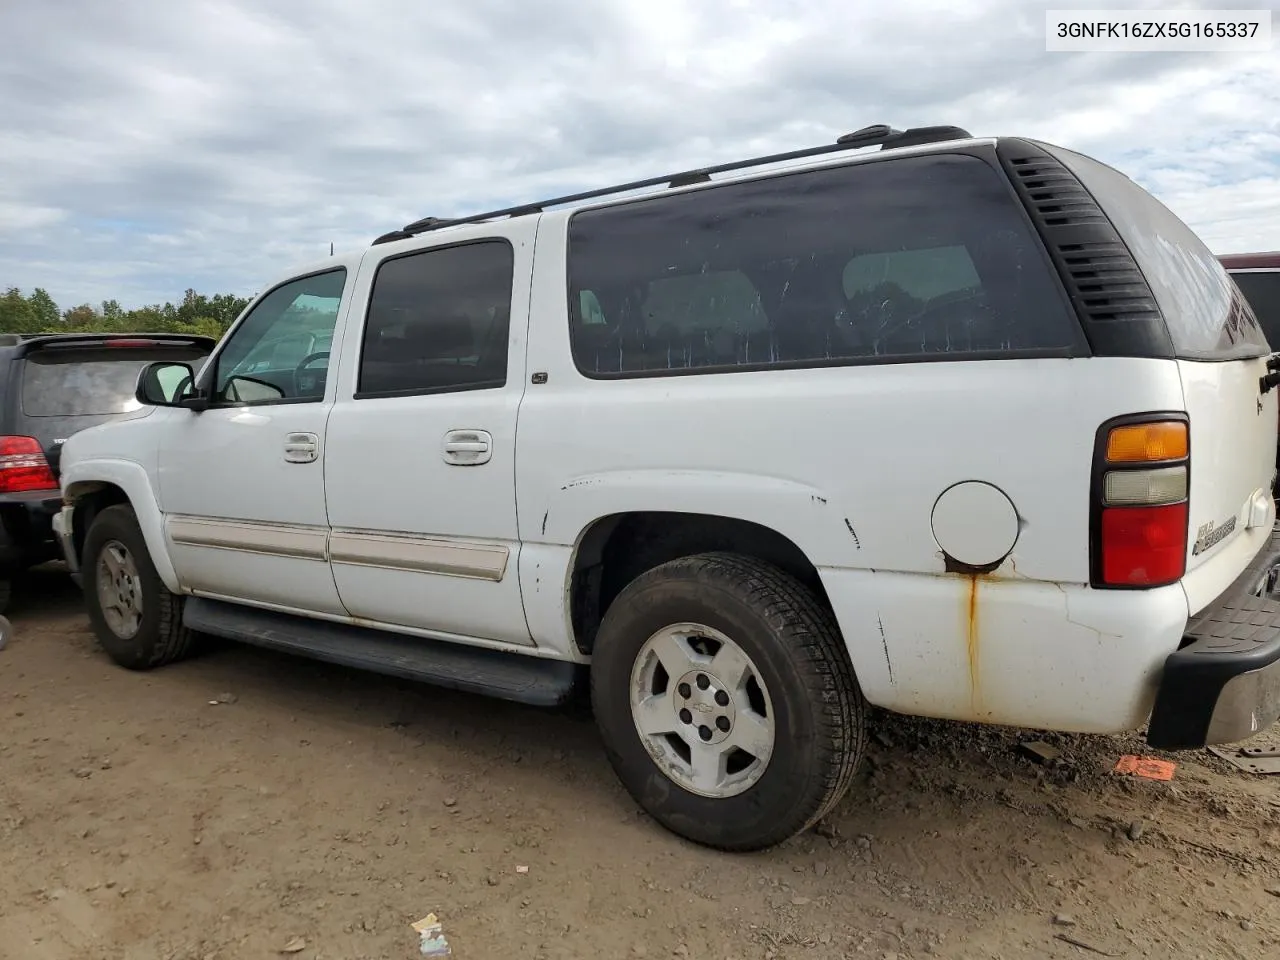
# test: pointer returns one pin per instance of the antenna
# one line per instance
(331, 248)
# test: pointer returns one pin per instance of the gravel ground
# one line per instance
(244, 802)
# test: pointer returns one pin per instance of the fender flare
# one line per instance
(83, 477)
(803, 514)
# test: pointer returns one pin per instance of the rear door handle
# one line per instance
(467, 448)
(301, 448)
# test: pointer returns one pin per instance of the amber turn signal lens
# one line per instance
(1147, 442)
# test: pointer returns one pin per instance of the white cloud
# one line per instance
(147, 146)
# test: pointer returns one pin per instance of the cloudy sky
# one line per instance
(151, 145)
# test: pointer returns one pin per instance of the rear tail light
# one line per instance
(1145, 488)
(23, 466)
(1144, 546)
(1147, 442)
(1140, 503)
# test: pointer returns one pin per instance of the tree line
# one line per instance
(195, 313)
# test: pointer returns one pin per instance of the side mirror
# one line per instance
(164, 384)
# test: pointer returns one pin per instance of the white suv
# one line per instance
(959, 427)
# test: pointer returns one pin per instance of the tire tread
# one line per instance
(173, 641)
(793, 612)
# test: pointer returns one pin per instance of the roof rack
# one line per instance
(880, 134)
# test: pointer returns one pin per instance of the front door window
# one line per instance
(280, 352)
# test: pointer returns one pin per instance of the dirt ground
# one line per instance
(139, 820)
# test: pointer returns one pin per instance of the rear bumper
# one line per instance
(26, 528)
(1224, 685)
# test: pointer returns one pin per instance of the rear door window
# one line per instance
(1207, 317)
(439, 321)
(921, 258)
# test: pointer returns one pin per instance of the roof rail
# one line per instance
(880, 135)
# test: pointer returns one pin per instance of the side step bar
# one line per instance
(506, 676)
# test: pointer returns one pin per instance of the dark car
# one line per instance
(51, 386)
(1258, 277)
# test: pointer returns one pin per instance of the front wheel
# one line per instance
(726, 701)
(136, 619)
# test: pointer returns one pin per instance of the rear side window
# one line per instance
(1207, 317)
(439, 321)
(1262, 290)
(911, 259)
(61, 382)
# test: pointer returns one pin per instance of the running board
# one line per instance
(506, 676)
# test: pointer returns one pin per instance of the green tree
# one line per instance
(193, 307)
(195, 313)
(16, 314)
(45, 310)
(226, 307)
(83, 317)
(208, 327)
(145, 319)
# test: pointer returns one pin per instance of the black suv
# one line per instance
(51, 386)
(1258, 277)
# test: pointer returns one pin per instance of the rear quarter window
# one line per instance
(1207, 317)
(920, 258)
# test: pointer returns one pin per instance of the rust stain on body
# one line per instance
(973, 647)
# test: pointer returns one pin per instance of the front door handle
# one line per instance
(467, 448)
(301, 448)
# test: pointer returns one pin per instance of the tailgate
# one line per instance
(1233, 451)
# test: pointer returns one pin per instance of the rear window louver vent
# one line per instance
(1115, 305)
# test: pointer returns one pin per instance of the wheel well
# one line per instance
(618, 548)
(88, 506)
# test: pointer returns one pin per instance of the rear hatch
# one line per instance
(66, 384)
(1221, 354)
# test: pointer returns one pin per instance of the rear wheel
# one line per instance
(6, 593)
(726, 701)
(137, 620)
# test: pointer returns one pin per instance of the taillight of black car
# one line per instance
(23, 467)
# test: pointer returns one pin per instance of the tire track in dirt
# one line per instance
(340, 807)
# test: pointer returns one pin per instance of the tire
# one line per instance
(159, 636)
(6, 593)
(804, 691)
